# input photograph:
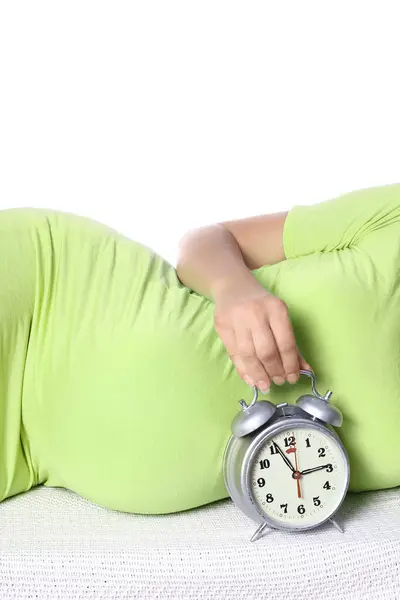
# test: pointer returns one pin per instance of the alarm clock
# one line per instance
(284, 465)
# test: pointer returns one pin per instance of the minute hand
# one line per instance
(314, 469)
(285, 458)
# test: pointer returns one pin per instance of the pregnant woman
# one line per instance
(120, 375)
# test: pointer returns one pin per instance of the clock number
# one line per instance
(264, 464)
(329, 469)
(327, 486)
(273, 449)
(301, 510)
(316, 501)
(269, 498)
(290, 441)
(321, 452)
(285, 507)
(261, 482)
(308, 445)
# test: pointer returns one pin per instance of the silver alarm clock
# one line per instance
(284, 466)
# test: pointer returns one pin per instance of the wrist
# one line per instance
(232, 283)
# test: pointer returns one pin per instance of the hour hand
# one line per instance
(314, 469)
(285, 458)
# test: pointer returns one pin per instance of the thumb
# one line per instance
(304, 364)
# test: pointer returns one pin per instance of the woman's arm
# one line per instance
(254, 325)
(219, 256)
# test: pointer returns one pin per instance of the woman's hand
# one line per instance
(255, 328)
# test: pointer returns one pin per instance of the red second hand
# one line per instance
(297, 475)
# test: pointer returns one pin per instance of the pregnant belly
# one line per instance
(136, 419)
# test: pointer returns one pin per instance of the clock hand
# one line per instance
(285, 458)
(296, 474)
(306, 471)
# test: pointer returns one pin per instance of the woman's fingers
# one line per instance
(281, 326)
(251, 351)
(242, 354)
(268, 352)
(256, 330)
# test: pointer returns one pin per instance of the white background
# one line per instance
(155, 117)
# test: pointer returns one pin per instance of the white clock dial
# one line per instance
(306, 485)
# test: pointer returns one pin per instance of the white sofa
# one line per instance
(54, 544)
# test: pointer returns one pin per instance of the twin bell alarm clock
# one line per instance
(284, 465)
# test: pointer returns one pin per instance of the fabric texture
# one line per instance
(116, 386)
(345, 222)
(55, 545)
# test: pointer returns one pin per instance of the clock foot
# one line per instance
(258, 533)
(335, 524)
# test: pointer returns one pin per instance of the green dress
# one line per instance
(115, 385)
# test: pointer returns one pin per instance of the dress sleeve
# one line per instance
(340, 222)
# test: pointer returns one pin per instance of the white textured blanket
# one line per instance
(53, 544)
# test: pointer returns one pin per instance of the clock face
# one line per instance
(299, 476)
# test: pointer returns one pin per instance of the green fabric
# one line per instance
(114, 383)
